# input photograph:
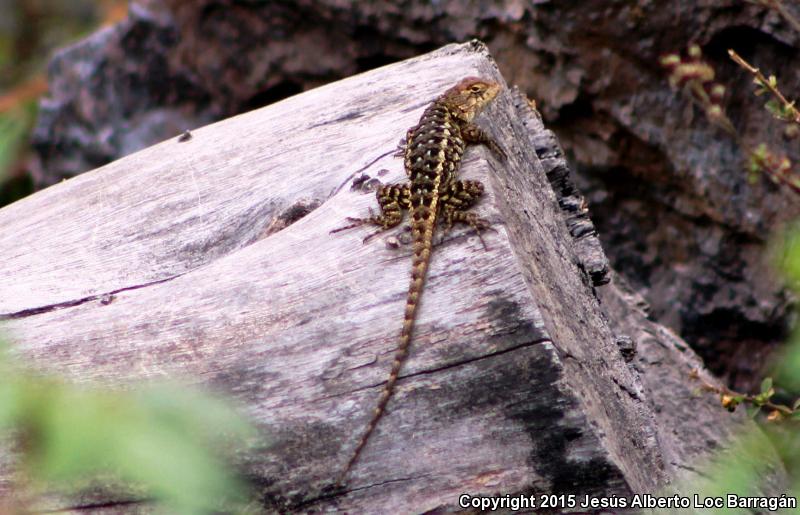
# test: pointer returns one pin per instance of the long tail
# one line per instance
(423, 242)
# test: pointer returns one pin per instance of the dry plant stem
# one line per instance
(721, 390)
(717, 118)
(769, 171)
(764, 167)
(755, 72)
(721, 120)
(778, 6)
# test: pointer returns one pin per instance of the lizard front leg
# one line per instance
(474, 134)
(393, 199)
(404, 143)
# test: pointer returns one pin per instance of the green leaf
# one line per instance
(774, 107)
(173, 468)
(766, 384)
(163, 439)
(77, 428)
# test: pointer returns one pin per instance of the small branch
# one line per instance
(730, 398)
(774, 168)
(778, 169)
(714, 113)
(697, 76)
(778, 6)
(769, 84)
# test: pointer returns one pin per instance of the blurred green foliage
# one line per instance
(745, 466)
(788, 254)
(13, 127)
(738, 470)
(162, 441)
(31, 29)
(756, 463)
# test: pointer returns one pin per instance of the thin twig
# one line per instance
(721, 390)
(765, 167)
(716, 116)
(778, 6)
(763, 81)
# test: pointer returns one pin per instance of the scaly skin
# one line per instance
(433, 151)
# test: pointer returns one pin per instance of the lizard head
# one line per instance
(470, 95)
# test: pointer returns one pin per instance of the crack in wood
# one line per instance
(442, 368)
(105, 298)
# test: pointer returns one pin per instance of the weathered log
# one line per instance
(210, 259)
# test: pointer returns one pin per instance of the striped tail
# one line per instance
(423, 241)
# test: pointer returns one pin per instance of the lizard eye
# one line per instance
(476, 88)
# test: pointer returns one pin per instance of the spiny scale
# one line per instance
(432, 153)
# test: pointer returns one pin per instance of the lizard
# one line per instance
(432, 152)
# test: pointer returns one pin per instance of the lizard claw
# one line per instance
(401, 149)
(370, 236)
(479, 224)
(499, 152)
(355, 223)
(485, 247)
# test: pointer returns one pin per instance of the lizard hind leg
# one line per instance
(459, 197)
(393, 199)
(474, 221)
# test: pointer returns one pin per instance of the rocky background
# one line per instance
(666, 189)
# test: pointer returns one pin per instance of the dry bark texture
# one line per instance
(194, 259)
(666, 189)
